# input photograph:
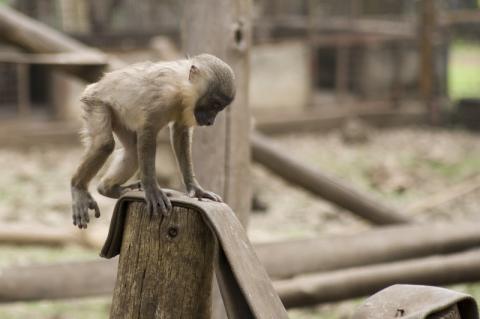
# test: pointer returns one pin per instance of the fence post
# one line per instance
(166, 266)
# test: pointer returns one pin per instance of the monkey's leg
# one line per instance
(124, 165)
(157, 200)
(181, 138)
(100, 145)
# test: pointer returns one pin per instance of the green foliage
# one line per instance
(464, 70)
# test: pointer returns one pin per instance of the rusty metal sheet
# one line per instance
(244, 284)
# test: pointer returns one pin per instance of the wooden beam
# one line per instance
(328, 187)
(59, 281)
(95, 278)
(381, 115)
(291, 258)
(55, 59)
(38, 38)
(350, 283)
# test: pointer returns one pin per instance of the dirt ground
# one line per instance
(404, 167)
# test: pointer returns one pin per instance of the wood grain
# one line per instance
(166, 266)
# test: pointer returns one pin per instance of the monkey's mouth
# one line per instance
(203, 120)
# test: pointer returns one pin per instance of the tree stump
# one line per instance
(166, 266)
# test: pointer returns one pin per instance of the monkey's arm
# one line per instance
(157, 200)
(181, 138)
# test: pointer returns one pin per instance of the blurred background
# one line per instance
(382, 94)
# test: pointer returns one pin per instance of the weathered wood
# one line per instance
(166, 266)
(292, 258)
(244, 283)
(222, 152)
(327, 187)
(356, 282)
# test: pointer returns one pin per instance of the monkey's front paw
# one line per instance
(157, 201)
(198, 192)
(82, 202)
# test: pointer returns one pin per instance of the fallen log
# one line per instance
(321, 184)
(281, 260)
(291, 258)
(34, 235)
(58, 281)
(38, 235)
(95, 278)
(357, 282)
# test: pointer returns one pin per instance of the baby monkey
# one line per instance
(135, 103)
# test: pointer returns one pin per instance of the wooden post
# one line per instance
(427, 69)
(222, 152)
(166, 266)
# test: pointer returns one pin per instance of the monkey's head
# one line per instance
(216, 83)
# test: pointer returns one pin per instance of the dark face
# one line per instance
(208, 106)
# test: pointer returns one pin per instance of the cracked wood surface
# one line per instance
(166, 266)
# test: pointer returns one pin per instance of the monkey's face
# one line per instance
(208, 106)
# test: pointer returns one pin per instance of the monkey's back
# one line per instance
(129, 92)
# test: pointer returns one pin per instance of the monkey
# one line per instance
(134, 103)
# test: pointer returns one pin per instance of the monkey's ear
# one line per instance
(194, 72)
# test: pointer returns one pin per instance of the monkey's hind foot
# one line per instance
(116, 191)
(82, 203)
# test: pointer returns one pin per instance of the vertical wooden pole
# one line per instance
(341, 70)
(222, 152)
(427, 70)
(23, 84)
(165, 268)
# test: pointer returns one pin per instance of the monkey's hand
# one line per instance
(198, 192)
(157, 200)
(82, 202)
